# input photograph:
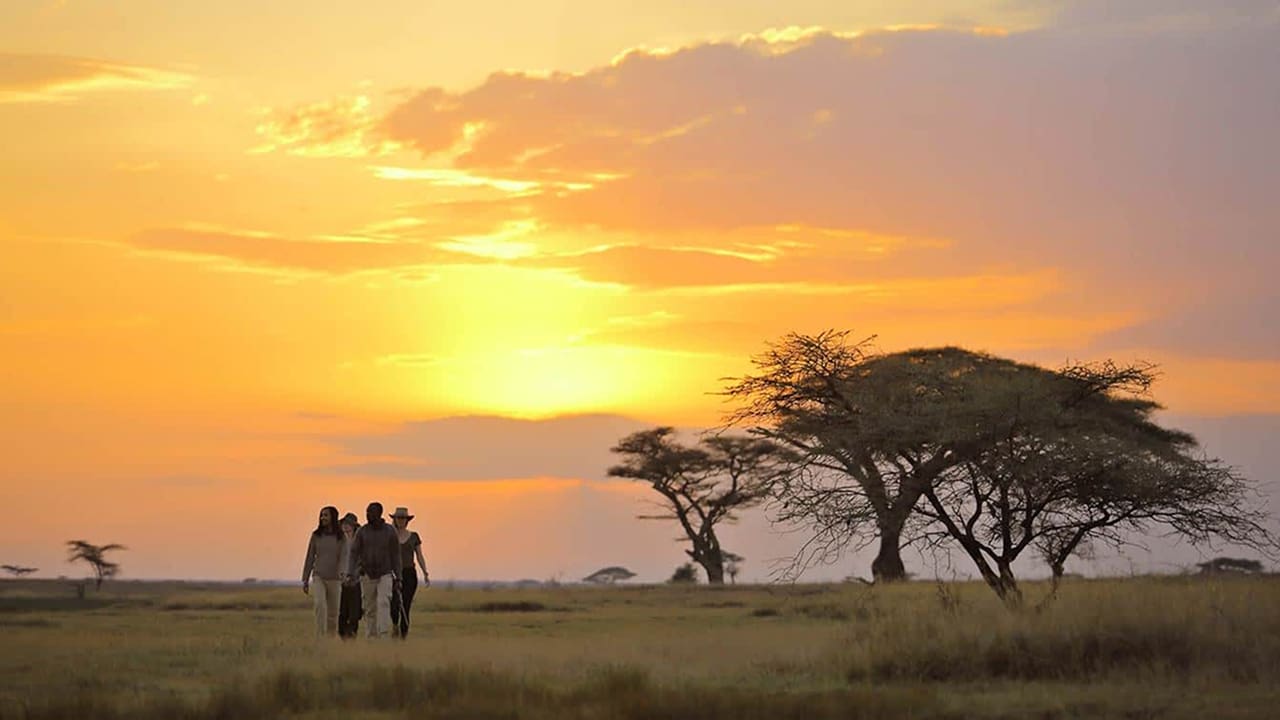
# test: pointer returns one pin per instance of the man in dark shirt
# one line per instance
(375, 553)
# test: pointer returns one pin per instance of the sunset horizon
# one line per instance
(255, 261)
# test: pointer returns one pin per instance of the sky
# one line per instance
(260, 258)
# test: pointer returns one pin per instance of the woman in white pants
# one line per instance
(324, 551)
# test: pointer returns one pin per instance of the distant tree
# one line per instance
(17, 570)
(95, 556)
(609, 575)
(732, 565)
(701, 486)
(1221, 565)
(685, 574)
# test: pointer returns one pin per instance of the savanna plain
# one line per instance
(1144, 647)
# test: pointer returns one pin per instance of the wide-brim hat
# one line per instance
(401, 512)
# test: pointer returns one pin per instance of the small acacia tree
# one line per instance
(18, 570)
(1078, 459)
(701, 486)
(609, 575)
(733, 566)
(95, 556)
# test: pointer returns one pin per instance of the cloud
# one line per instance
(1161, 15)
(329, 255)
(413, 360)
(485, 448)
(27, 78)
(924, 133)
(751, 256)
(340, 127)
(1137, 163)
(1235, 321)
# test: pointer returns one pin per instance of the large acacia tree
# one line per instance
(701, 486)
(994, 455)
(871, 432)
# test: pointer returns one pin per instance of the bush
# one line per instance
(685, 574)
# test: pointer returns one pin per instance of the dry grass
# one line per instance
(1151, 647)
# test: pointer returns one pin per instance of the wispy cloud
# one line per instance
(413, 360)
(250, 249)
(32, 78)
(339, 127)
(463, 448)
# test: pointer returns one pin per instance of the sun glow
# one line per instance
(571, 379)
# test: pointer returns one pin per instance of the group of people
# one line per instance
(352, 571)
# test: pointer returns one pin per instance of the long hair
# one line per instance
(334, 528)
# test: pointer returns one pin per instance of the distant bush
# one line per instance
(685, 574)
(823, 611)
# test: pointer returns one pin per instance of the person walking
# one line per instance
(410, 548)
(320, 567)
(350, 609)
(376, 553)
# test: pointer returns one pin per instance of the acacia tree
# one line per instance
(733, 565)
(1078, 459)
(871, 432)
(95, 556)
(18, 570)
(609, 575)
(701, 486)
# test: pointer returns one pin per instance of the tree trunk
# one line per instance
(713, 564)
(711, 559)
(1007, 587)
(887, 567)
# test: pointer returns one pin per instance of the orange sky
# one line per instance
(240, 244)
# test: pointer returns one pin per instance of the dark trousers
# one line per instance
(349, 611)
(408, 587)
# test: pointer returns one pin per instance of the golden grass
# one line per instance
(1146, 647)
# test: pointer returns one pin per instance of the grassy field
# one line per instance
(1133, 648)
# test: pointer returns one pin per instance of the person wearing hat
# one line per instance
(349, 609)
(321, 567)
(375, 553)
(410, 548)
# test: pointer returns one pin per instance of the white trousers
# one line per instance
(327, 596)
(375, 593)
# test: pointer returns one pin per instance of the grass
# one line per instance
(1133, 648)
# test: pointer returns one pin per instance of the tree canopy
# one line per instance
(701, 486)
(609, 575)
(949, 446)
(95, 556)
